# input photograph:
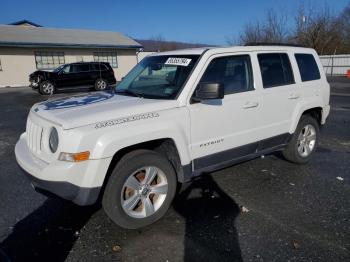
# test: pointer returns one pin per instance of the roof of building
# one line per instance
(26, 23)
(27, 36)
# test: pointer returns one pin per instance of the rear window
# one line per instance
(275, 69)
(307, 67)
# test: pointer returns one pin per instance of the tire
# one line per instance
(130, 208)
(304, 141)
(46, 88)
(101, 84)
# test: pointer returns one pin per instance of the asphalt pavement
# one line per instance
(266, 209)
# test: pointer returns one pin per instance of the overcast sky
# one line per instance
(209, 22)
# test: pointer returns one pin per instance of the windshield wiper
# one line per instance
(129, 92)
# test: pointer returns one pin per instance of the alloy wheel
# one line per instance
(101, 84)
(306, 140)
(144, 192)
(48, 88)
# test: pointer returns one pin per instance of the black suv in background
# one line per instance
(99, 75)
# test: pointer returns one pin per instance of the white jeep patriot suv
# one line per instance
(175, 116)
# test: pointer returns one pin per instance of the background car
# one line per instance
(99, 75)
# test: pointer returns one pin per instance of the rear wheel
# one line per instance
(140, 189)
(46, 88)
(101, 84)
(304, 141)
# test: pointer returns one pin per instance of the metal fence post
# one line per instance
(332, 65)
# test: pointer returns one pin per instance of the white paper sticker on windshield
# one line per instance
(178, 61)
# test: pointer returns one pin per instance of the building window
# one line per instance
(0, 66)
(110, 57)
(80, 59)
(49, 60)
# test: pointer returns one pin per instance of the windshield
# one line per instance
(159, 77)
(58, 68)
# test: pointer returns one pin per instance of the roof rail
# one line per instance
(271, 44)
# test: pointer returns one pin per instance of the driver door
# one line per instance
(223, 130)
(69, 76)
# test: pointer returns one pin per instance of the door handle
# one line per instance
(250, 105)
(293, 96)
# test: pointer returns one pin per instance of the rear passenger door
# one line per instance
(96, 72)
(280, 95)
(82, 74)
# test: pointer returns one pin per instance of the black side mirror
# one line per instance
(206, 91)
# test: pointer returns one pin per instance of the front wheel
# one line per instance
(304, 141)
(140, 189)
(46, 88)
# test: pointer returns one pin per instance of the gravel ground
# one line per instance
(295, 213)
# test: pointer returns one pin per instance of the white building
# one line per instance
(26, 47)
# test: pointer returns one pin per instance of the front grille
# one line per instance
(34, 136)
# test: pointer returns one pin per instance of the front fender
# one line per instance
(173, 124)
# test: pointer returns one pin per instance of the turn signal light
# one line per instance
(74, 157)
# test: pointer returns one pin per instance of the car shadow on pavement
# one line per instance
(210, 214)
(48, 233)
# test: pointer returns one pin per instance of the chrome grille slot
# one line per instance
(34, 136)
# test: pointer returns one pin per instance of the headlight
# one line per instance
(53, 140)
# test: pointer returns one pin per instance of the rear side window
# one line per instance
(83, 67)
(275, 69)
(98, 67)
(307, 67)
(234, 72)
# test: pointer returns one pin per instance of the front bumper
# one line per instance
(77, 182)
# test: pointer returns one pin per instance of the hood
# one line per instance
(41, 73)
(82, 110)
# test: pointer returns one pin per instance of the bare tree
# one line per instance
(315, 27)
(344, 21)
(318, 29)
(273, 28)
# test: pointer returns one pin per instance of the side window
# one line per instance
(275, 69)
(234, 72)
(93, 67)
(74, 69)
(67, 69)
(83, 67)
(307, 67)
(77, 68)
(98, 67)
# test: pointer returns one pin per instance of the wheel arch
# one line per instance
(164, 146)
(314, 111)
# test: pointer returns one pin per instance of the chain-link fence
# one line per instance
(336, 65)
